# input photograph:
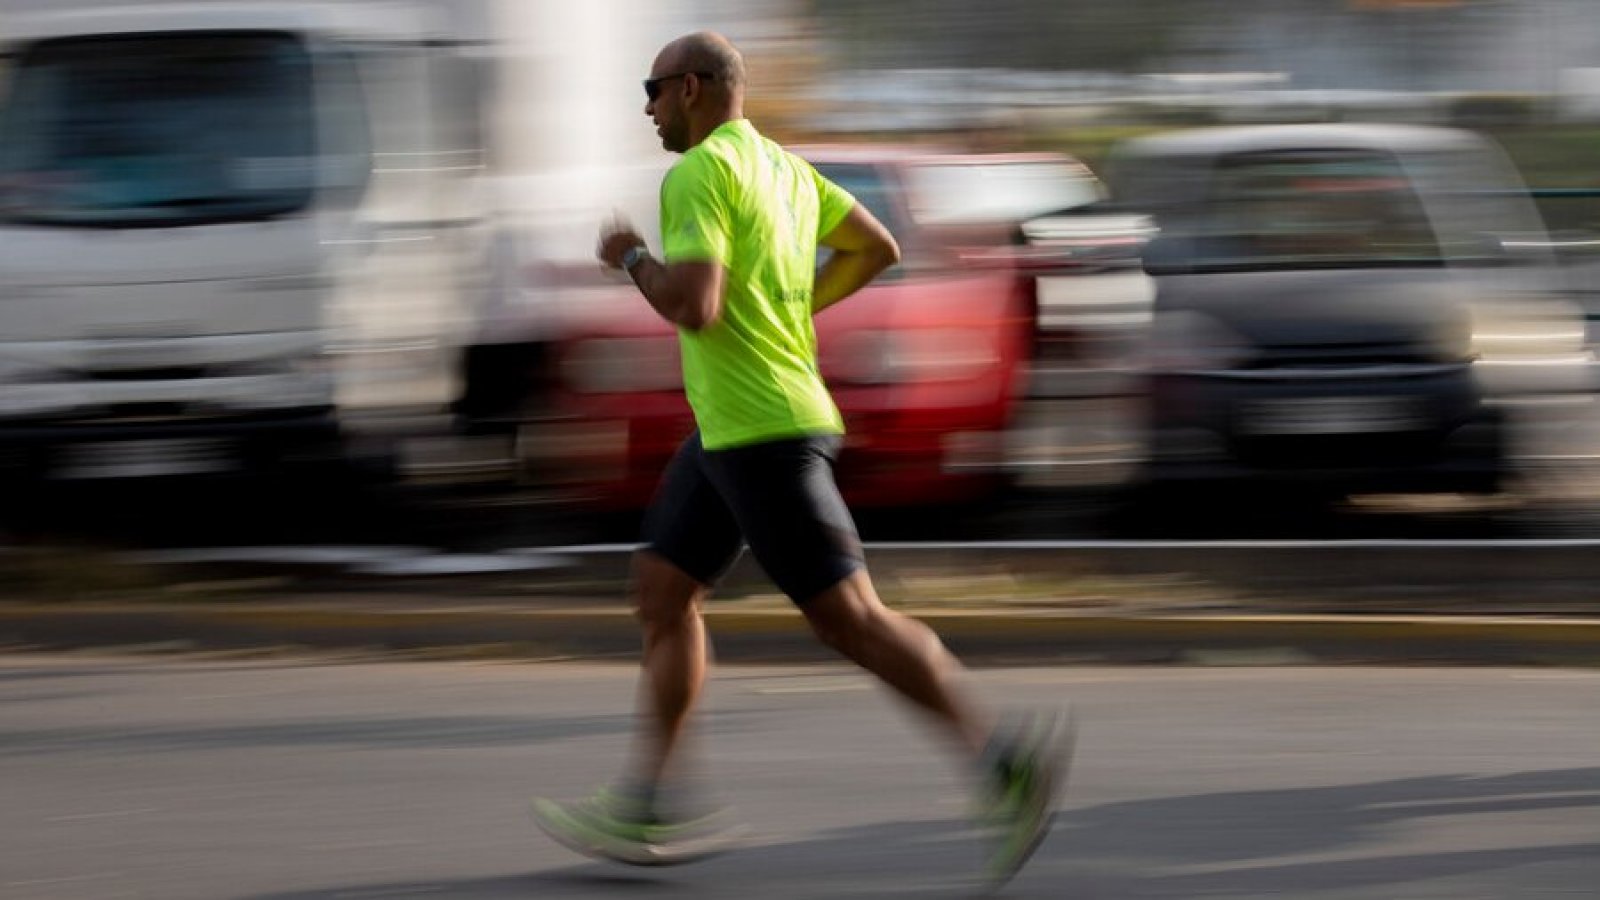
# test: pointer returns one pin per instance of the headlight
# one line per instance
(1187, 341)
(1527, 330)
(623, 365)
(908, 355)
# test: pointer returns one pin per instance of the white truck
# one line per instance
(201, 266)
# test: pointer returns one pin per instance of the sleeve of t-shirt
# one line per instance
(695, 225)
(833, 204)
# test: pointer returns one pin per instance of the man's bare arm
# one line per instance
(687, 294)
(862, 248)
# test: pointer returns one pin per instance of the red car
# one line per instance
(925, 364)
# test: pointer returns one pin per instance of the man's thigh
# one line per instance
(784, 498)
(688, 523)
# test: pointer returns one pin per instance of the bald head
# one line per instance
(707, 51)
(695, 85)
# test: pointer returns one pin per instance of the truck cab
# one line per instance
(181, 208)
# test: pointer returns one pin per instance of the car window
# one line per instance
(1313, 208)
(158, 130)
(1479, 204)
(867, 184)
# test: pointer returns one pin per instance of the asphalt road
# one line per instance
(275, 780)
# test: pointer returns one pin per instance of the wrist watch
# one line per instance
(632, 256)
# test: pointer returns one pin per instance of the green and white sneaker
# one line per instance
(1026, 772)
(615, 827)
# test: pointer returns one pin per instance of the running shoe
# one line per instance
(1024, 777)
(614, 826)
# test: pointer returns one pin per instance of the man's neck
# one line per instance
(704, 130)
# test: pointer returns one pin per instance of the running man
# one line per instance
(741, 221)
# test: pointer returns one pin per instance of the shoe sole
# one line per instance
(551, 819)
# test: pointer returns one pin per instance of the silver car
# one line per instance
(1342, 308)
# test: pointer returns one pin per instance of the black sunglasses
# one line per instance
(652, 86)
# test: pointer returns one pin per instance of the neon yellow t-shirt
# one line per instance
(743, 201)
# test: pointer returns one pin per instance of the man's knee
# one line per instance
(664, 596)
(846, 615)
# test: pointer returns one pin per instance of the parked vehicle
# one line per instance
(189, 203)
(924, 363)
(1343, 308)
(1047, 215)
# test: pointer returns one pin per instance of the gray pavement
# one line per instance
(284, 780)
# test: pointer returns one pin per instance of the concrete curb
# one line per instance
(781, 635)
(1510, 571)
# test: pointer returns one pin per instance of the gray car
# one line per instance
(1342, 308)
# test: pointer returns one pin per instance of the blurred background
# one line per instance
(1217, 321)
(323, 271)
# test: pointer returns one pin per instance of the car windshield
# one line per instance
(866, 184)
(1313, 208)
(158, 130)
(972, 193)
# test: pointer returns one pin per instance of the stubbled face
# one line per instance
(668, 111)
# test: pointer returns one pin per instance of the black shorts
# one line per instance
(779, 496)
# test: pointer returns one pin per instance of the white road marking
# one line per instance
(460, 564)
(289, 555)
(108, 814)
(66, 879)
(1153, 544)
